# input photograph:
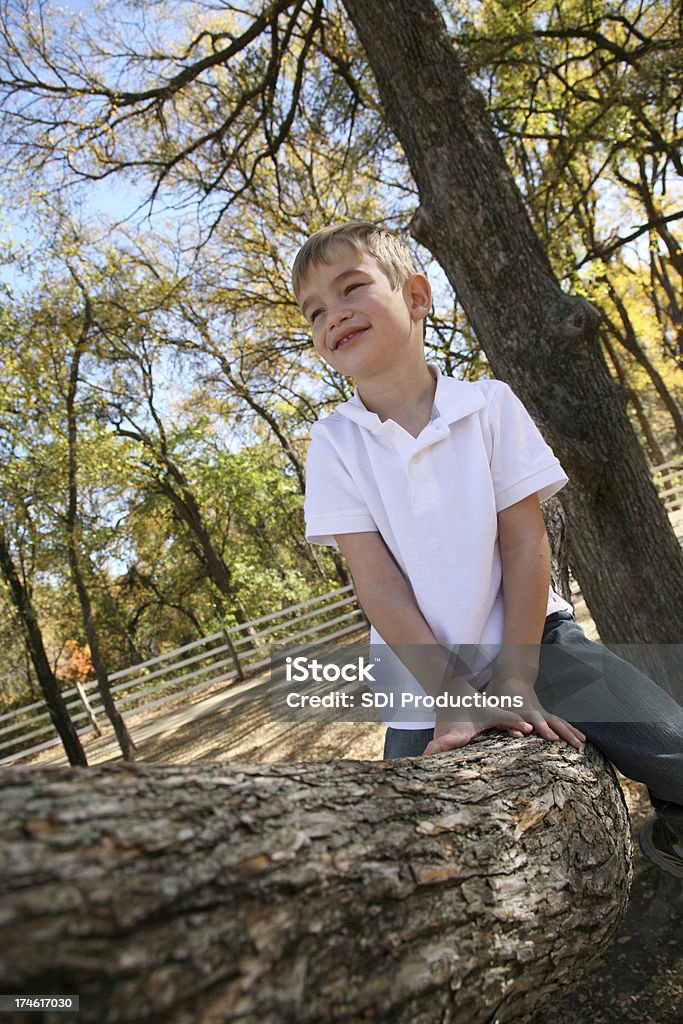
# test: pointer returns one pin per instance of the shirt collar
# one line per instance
(453, 400)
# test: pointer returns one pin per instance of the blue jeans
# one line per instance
(589, 686)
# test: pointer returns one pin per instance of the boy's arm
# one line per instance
(389, 604)
(391, 607)
(525, 555)
(382, 589)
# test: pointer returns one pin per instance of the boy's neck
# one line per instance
(405, 395)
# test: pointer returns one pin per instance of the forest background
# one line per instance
(161, 164)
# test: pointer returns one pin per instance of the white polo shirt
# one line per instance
(434, 498)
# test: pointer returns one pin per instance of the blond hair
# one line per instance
(384, 245)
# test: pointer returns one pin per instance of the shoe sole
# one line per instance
(667, 862)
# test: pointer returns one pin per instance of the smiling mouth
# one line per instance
(348, 338)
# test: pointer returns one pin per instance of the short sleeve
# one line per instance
(333, 502)
(521, 461)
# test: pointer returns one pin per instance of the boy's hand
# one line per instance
(531, 717)
(550, 727)
(452, 735)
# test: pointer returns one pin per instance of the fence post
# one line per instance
(233, 655)
(88, 709)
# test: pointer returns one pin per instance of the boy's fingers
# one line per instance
(497, 718)
(552, 728)
(543, 728)
(512, 722)
(566, 729)
(445, 743)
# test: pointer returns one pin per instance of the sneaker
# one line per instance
(662, 846)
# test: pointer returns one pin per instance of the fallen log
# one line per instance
(464, 887)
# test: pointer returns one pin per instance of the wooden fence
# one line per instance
(230, 654)
(669, 480)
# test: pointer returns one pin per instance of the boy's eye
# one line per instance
(350, 287)
(314, 314)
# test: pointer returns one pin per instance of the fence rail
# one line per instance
(669, 480)
(226, 655)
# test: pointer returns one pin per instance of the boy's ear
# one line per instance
(419, 293)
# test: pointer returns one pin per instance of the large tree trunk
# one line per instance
(623, 551)
(461, 887)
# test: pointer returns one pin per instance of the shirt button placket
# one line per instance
(415, 476)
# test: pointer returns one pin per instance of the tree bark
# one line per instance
(461, 887)
(74, 548)
(33, 639)
(623, 553)
(556, 528)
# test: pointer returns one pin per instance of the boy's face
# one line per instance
(360, 324)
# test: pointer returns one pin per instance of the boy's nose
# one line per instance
(338, 316)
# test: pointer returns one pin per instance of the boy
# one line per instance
(431, 488)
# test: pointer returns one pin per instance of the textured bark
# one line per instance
(623, 550)
(556, 527)
(33, 638)
(73, 545)
(463, 887)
